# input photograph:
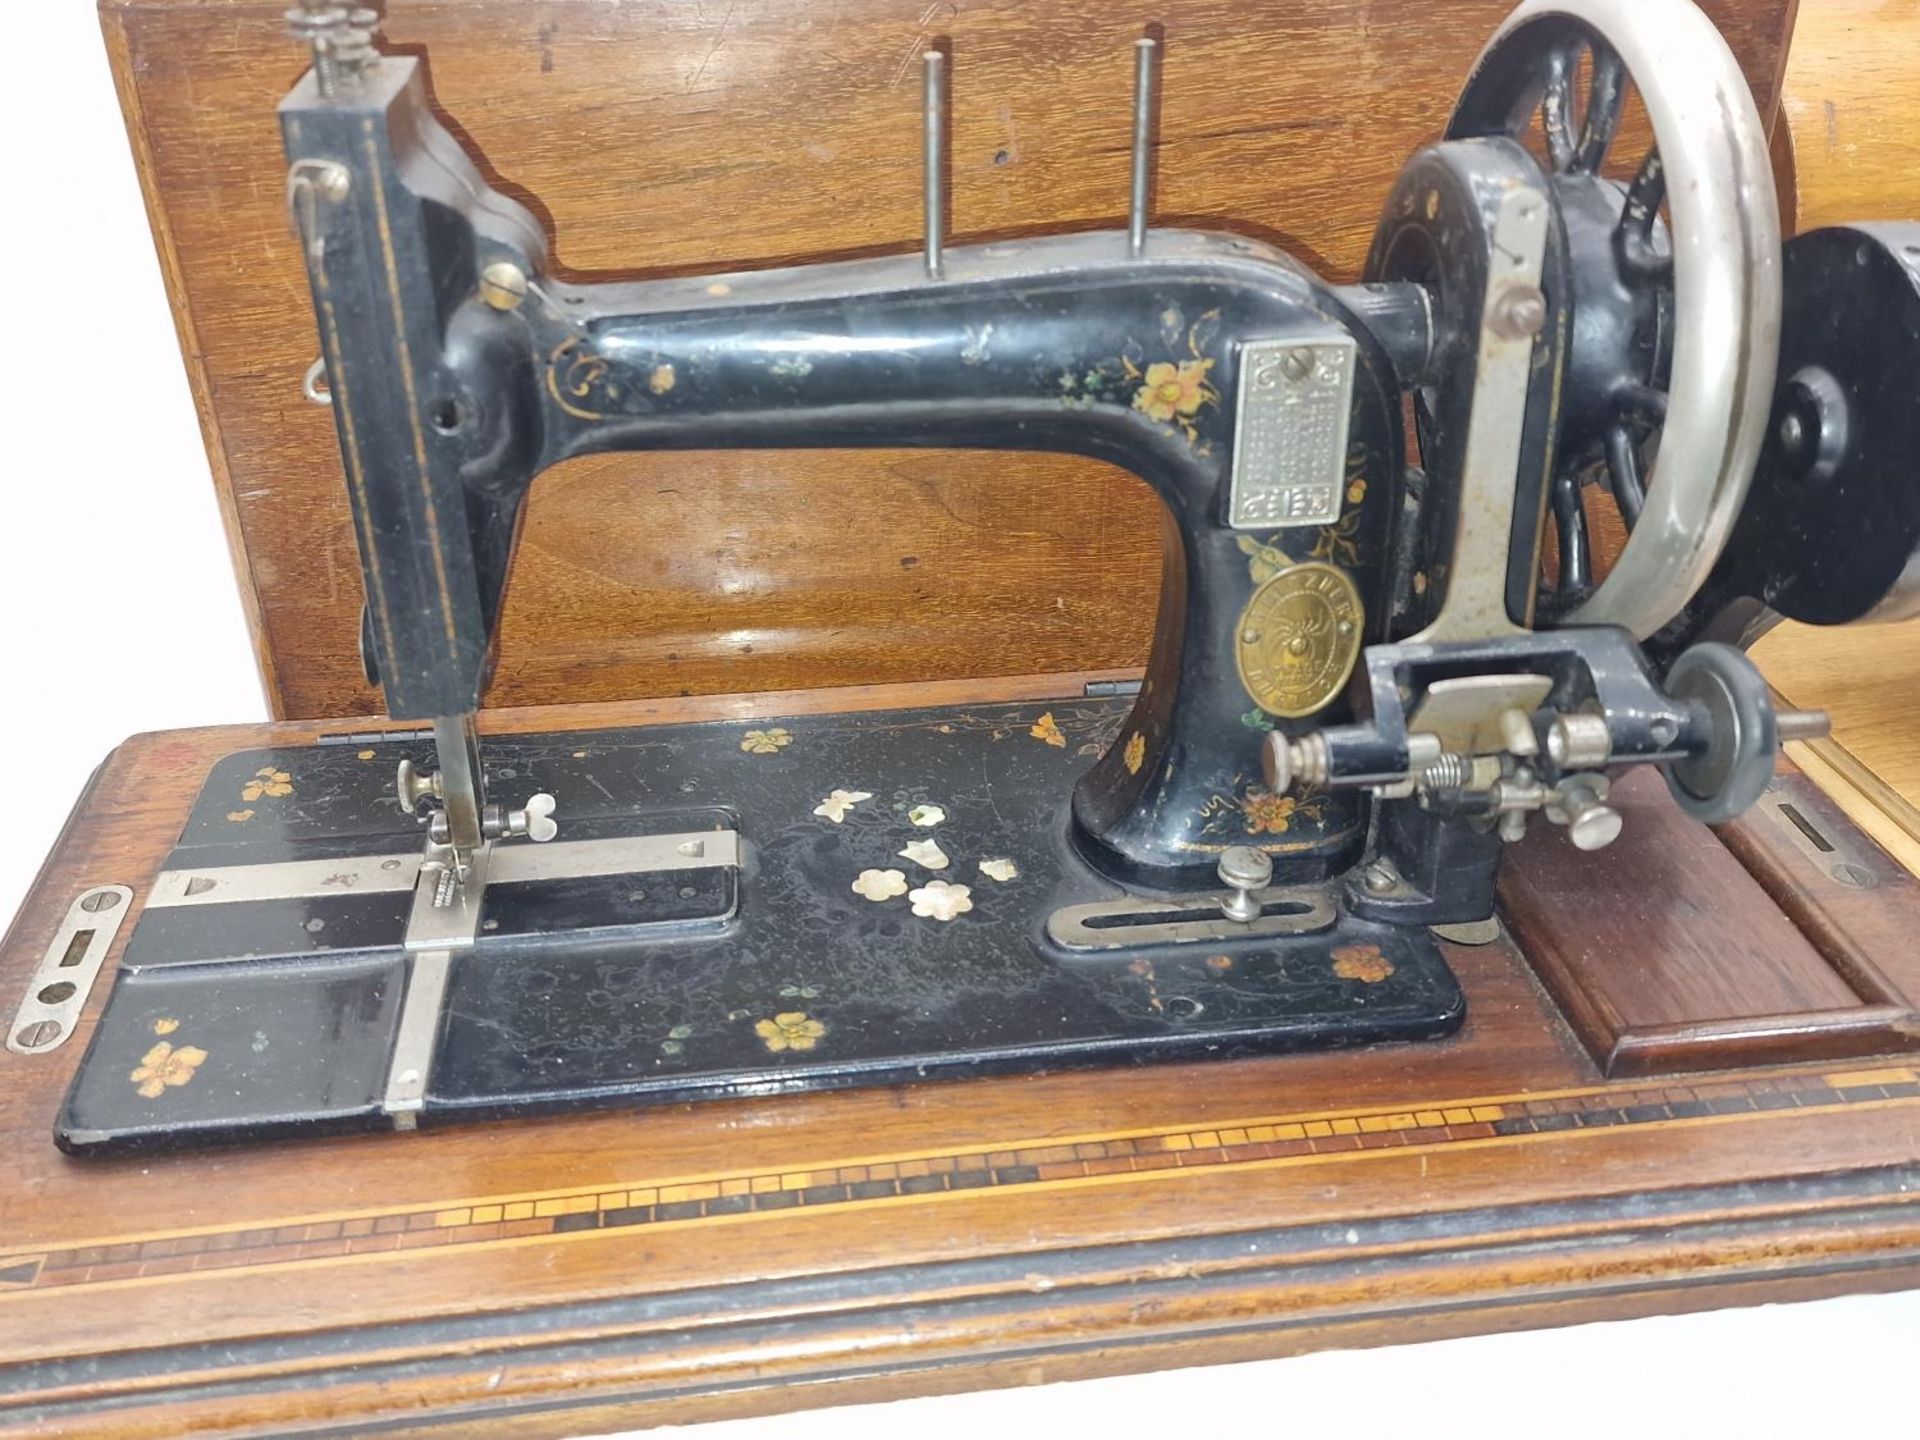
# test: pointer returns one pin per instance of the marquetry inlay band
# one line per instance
(1302, 1139)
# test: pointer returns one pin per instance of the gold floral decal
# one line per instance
(1364, 963)
(661, 380)
(268, 781)
(793, 1030)
(163, 1066)
(1268, 814)
(1338, 544)
(239, 817)
(1045, 728)
(165, 1025)
(1264, 558)
(765, 742)
(1136, 753)
(1170, 391)
(1261, 812)
(1174, 391)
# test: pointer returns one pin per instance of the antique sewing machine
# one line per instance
(1386, 646)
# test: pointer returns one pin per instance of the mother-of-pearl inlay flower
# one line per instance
(937, 900)
(1001, 870)
(879, 885)
(836, 805)
(926, 815)
(926, 853)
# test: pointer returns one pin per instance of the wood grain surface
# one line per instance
(1848, 106)
(655, 137)
(567, 1275)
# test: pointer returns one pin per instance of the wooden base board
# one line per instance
(578, 1275)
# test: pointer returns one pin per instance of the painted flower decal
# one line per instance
(1268, 814)
(878, 885)
(1136, 753)
(926, 853)
(1171, 389)
(937, 900)
(268, 781)
(163, 1066)
(926, 816)
(1046, 729)
(1264, 558)
(1356, 490)
(794, 1030)
(836, 805)
(239, 817)
(1001, 870)
(1364, 963)
(765, 742)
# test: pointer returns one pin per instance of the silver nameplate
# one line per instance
(1290, 438)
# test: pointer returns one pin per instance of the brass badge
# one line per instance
(1299, 637)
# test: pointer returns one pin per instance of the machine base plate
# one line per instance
(277, 1014)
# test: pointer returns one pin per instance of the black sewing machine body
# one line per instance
(1346, 712)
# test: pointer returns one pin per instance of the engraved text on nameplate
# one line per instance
(1290, 442)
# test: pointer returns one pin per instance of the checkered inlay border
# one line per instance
(601, 1209)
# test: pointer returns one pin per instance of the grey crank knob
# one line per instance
(1733, 751)
(1592, 824)
(1246, 871)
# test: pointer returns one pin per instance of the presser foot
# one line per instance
(732, 910)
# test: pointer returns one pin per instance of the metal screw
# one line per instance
(1792, 434)
(1519, 312)
(1379, 877)
(41, 1032)
(503, 285)
(1297, 364)
(99, 900)
(1246, 870)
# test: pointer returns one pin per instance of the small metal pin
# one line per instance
(1146, 59)
(1802, 725)
(933, 148)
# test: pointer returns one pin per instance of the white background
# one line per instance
(118, 614)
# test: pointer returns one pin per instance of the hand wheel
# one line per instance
(1715, 271)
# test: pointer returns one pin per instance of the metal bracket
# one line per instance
(62, 981)
(446, 919)
(1833, 855)
(1475, 605)
(1133, 921)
